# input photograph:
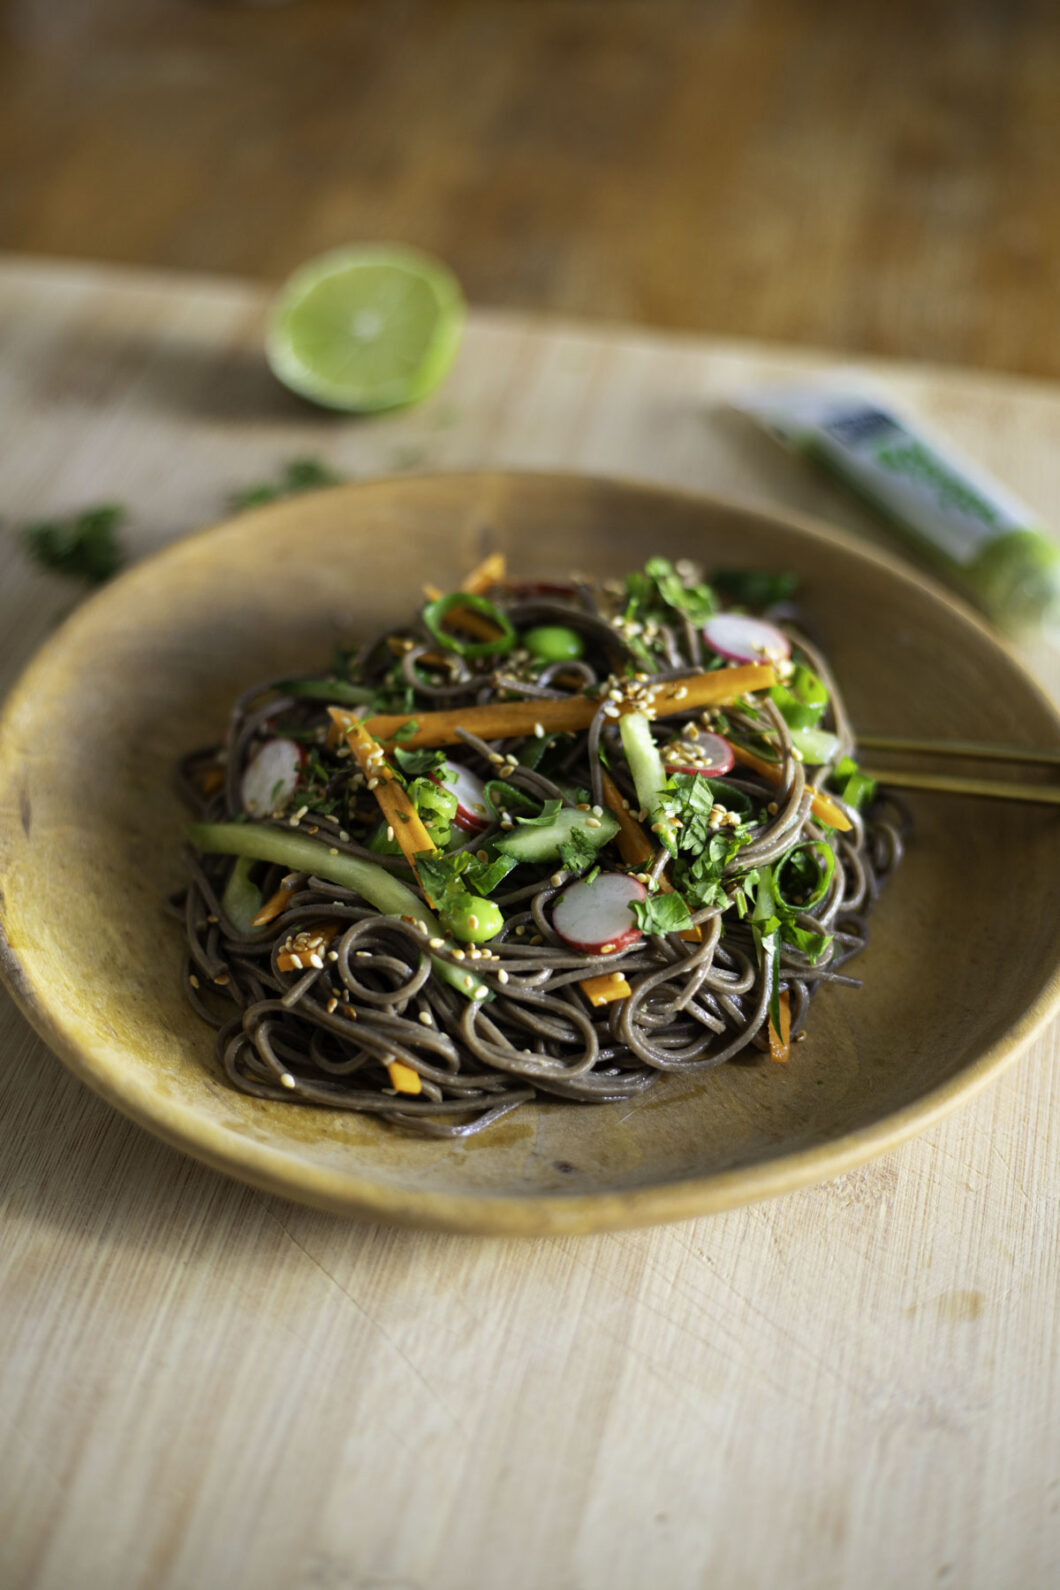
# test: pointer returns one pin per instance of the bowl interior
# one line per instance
(964, 948)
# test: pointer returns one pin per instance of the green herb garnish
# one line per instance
(84, 547)
(301, 474)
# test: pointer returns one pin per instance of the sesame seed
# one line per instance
(539, 730)
(287, 1080)
(556, 879)
(598, 811)
(468, 981)
(481, 992)
(426, 1018)
(300, 813)
(211, 917)
(363, 955)
(333, 955)
(332, 1002)
(297, 960)
(193, 980)
(436, 944)
(390, 832)
(593, 822)
(772, 808)
(502, 976)
(373, 783)
(472, 923)
(458, 955)
(315, 960)
(606, 949)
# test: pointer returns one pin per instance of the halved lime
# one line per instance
(365, 328)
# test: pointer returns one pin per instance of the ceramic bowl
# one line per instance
(961, 970)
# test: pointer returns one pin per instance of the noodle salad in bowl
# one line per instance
(549, 840)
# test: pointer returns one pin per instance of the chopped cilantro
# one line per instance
(301, 474)
(662, 913)
(84, 547)
(660, 586)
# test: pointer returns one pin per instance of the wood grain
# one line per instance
(201, 1385)
(884, 179)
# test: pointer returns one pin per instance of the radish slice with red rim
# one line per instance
(271, 777)
(594, 918)
(745, 640)
(710, 754)
(472, 813)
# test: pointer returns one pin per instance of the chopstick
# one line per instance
(959, 783)
(971, 748)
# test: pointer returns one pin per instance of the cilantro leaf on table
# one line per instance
(84, 546)
(297, 476)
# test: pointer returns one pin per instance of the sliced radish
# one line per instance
(271, 777)
(594, 918)
(472, 814)
(710, 754)
(745, 640)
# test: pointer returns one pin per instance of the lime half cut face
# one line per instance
(366, 328)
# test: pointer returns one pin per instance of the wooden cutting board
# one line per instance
(201, 1385)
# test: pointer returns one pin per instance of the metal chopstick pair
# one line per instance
(959, 783)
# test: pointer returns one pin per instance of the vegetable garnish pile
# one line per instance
(549, 840)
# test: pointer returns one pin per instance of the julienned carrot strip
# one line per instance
(606, 989)
(780, 1042)
(402, 1077)
(635, 847)
(485, 575)
(500, 720)
(773, 773)
(394, 804)
(276, 903)
(306, 948)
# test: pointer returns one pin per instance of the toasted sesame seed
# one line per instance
(426, 1018)
(472, 923)
(469, 981)
(481, 992)
(772, 808)
(331, 1004)
(502, 976)
(458, 955)
(436, 944)
(287, 1079)
(593, 822)
(363, 955)
(193, 980)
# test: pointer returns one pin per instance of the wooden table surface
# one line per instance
(884, 177)
(201, 1386)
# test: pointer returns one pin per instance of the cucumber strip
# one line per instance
(241, 900)
(298, 853)
(649, 775)
(536, 841)
(817, 745)
(328, 690)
